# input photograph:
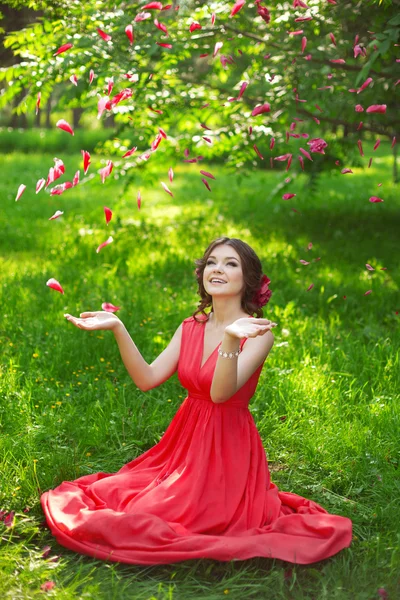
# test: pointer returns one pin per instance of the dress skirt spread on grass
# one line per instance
(203, 491)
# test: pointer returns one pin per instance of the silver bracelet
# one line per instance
(228, 354)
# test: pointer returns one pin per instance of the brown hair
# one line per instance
(252, 276)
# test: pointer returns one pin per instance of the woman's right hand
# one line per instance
(93, 321)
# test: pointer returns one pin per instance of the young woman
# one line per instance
(204, 491)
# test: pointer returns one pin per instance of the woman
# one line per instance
(204, 490)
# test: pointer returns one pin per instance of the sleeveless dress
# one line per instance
(203, 491)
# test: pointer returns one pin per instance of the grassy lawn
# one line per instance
(327, 403)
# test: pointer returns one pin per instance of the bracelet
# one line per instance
(228, 354)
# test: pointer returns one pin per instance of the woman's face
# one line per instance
(223, 263)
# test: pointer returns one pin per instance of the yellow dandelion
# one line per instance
(52, 406)
(35, 355)
(67, 394)
(102, 360)
(79, 383)
(88, 454)
(11, 344)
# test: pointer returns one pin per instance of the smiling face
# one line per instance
(223, 263)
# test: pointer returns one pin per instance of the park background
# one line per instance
(327, 403)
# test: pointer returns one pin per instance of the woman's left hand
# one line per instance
(249, 327)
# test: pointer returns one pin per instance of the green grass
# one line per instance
(69, 408)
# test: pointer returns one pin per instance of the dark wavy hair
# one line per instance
(252, 276)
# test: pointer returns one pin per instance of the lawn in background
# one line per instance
(327, 403)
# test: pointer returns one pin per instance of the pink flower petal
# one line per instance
(303, 44)
(393, 141)
(242, 89)
(217, 47)
(101, 105)
(376, 108)
(360, 148)
(108, 214)
(91, 76)
(364, 85)
(167, 189)
(360, 125)
(130, 152)
(301, 161)
(139, 199)
(288, 196)
(207, 174)
(86, 160)
(310, 287)
(344, 171)
(40, 185)
(108, 307)
(171, 174)
(236, 7)
(161, 26)
(370, 162)
(106, 243)
(377, 143)
(104, 35)
(375, 199)
(164, 45)
(194, 26)
(162, 132)
(299, 3)
(282, 157)
(207, 139)
(258, 152)
(339, 61)
(369, 267)
(359, 108)
(106, 171)
(129, 33)
(213, 19)
(153, 6)
(300, 19)
(206, 184)
(57, 214)
(306, 154)
(142, 16)
(62, 124)
(332, 38)
(38, 102)
(20, 191)
(47, 586)
(73, 79)
(272, 143)
(298, 32)
(75, 180)
(55, 285)
(63, 48)
(304, 262)
(368, 292)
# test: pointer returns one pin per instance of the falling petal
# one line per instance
(91, 75)
(106, 171)
(213, 19)
(375, 199)
(359, 108)
(393, 141)
(332, 38)
(142, 16)
(167, 189)
(74, 79)
(303, 43)
(106, 243)
(319, 108)
(310, 287)
(75, 180)
(301, 161)
(344, 171)
(304, 262)
(368, 292)
(162, 132)
(161, 26)
(207, 140)
(194, 26)
(47, 586)
(57, 214)
(62, 124)
(130, 152)
(217, 47)
(360, 125)
(21, 190)
(139, 199)
(376, 108)
(207, 174)
(242, 89)
(300, 19)
(364, 85)
(258, 152)
(108, 307)
(108, 214)
(377, 143)
(104, 35)
(370, 162)
(236, 7)
(306, 154)
(38, 102)
(40, 185)
(62, 49)
(164, 45)
(46, 551)
(282, 157)
(369, 267)
(110, 85)
(206, 184)
(360, 148)
(129, 33)
(288, 196)
(55, 285)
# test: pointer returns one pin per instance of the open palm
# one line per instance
(249, 327)
(93, 321)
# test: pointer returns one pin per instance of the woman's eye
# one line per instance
(229, 263)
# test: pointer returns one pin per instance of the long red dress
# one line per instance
(203, 491)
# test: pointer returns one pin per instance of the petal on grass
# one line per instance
(54, 285)
(106, 243)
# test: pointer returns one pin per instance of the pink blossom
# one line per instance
(317, 145)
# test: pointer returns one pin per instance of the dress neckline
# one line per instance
(202, 346)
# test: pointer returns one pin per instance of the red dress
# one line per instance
(203, 491)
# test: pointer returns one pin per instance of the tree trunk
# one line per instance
(76, 115)
(48, 112)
